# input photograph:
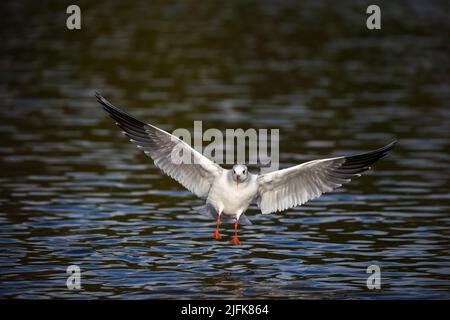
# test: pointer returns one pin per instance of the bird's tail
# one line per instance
(208, 209)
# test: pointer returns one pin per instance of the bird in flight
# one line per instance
(229, 193)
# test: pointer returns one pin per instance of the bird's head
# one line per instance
(239, 173)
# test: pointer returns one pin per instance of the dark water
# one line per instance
(73, 191)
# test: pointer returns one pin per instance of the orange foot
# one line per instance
(235, 241)
(216, 235)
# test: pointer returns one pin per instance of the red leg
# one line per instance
(235, 239)
(216, 234)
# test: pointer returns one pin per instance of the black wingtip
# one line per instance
(391, 145)
(388, 148)
(106, 104)
(101, 99)
(117, 114)
(98, 95)
(384, 150)
(380, 151)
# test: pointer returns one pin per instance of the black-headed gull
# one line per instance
(229, 193)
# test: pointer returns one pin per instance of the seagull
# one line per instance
(229, 193)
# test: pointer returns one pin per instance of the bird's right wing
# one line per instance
(287, 188)
(196, 176)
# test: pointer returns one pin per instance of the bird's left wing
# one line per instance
(287, 188)
(196, 176)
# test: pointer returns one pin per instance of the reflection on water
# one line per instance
(73, 191)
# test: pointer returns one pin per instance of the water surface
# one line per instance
(74, 191)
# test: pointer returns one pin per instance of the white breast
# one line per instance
(231, 197)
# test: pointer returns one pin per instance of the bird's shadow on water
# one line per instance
(292, 255)
(249, 270)
(274, 261)
(244, 282)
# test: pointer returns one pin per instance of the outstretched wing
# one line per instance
(287, 188)
(197, 175)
